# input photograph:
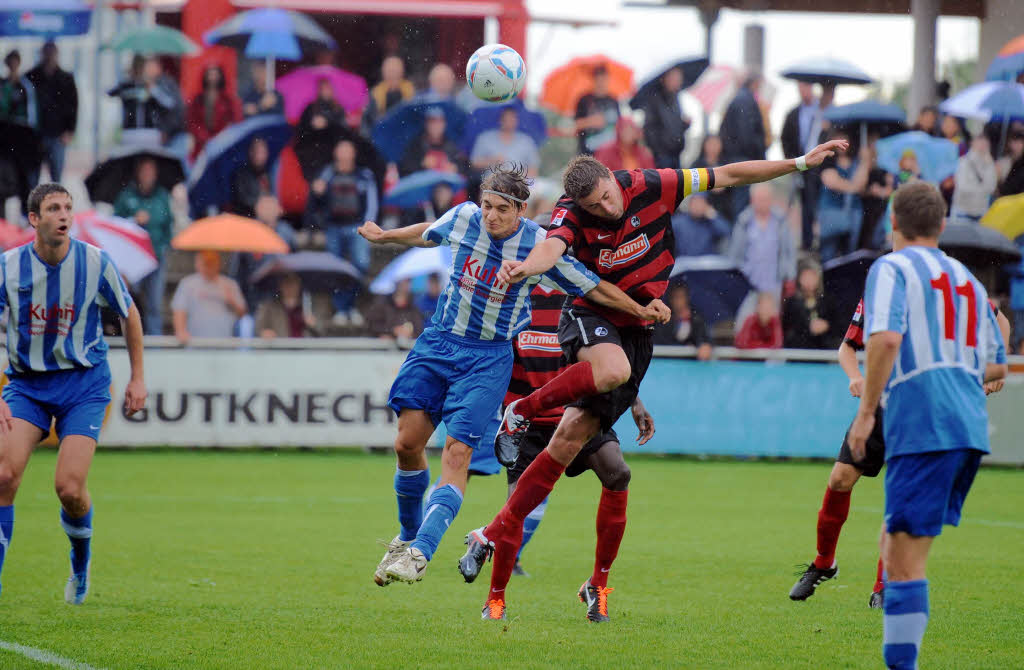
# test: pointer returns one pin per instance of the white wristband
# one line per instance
(801, 163)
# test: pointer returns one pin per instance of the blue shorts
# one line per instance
(456, 380)
(77, 399)
(924, 491)
(484, 461)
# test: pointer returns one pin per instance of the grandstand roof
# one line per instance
(947, 7)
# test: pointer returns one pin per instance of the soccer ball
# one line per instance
(496, 73)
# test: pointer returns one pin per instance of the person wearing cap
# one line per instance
(433, 150)
(57, 108)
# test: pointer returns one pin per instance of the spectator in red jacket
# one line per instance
(213, 110)
(763, 328)
(626, 151)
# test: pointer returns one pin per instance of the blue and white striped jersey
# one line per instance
(934, 399)
(475, 304)
(53, 320)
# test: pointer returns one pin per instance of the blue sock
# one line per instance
(80, 533)
(530, 524)
(409, 488)
(430, 491)
(905, 620)
(6, 530)
(443, 505)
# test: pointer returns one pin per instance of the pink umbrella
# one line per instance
(127, 242)
(299, 88)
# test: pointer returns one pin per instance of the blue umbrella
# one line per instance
(319, 270)
(411, 264)
(717, 287)
(44, 18)
(210, 180)
(866, 111)
(692, 69)
(487, 117)
(987, 100)
(936, 156)
(415, 189)
(1005, 68)
(827, 71)
(404, 123)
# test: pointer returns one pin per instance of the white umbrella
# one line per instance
(413, 263)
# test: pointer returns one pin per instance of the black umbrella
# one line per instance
(692, 69)
(319, 271)
(314, 149)
(717, 287)
(112, 175)
(826, 71)
(978, 246)
(844, 279)
(21, 143)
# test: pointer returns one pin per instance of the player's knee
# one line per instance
(843, 479)
(9, 480)
(618, 478)
(70, 491)
(612, 374)
(406, 448)
(457, 456)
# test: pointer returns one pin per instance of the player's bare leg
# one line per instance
(411, 479)
(15, 449)
(73, 461)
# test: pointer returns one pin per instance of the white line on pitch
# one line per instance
(43, 656)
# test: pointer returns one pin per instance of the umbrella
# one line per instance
(987, 100)
(415, 189)
(22, 142)
(416, 262)
(271, 34)
(936, 156)
(715, 88)
(886, 119)
(1006, 215)
(210, 180)
(565, 85)
(844, 278)
(314, 149)
(487, 117)
(44, 18)
(319, 270)
(229, 232)
(826, 71)
(404, 123)
(717, 287)
(299, 88)
(155, 40)
(111, 176)
(1009, 61)
(978, 246)
(692, 69)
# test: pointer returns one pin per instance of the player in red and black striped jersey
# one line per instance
(846, 472)
(618, 224)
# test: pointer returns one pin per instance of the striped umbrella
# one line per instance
(715, 87)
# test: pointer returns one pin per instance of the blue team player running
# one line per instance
(933, 342)
(460, 367)
(53, 290)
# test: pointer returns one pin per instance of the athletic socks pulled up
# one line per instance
(409, 488)
(79, 532)
(879, 577)
(442, 506)
(573, 383)
(6, 530)
(611, 524)
(533, 487)
(530, 525)
(904, 622)
(834, 509)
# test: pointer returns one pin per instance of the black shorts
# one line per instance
(874, 452)
(580, 327)
(537, 437)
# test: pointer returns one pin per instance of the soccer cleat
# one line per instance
(77, 588)
(877, 600)
(510, 435)
(478, 550)
(494, 610)
(408, 567)
(596, 600)
(518, 571)
(811, 579)
(395, 549)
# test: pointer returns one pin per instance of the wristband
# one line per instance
(801, 163)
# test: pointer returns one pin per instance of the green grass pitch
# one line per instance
(264, 560)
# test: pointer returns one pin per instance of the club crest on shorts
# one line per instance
(600, 331)
(635, 221)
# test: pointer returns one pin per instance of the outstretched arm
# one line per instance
(752, 172)
(409, 236)
(541, 259)
(610, 295)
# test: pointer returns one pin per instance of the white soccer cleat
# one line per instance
(511, 422)
(409, 567)
(77, 587)
(396, 548)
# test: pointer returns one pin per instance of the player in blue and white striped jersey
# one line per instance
(933, 341)
(52, 290)
(460, 367)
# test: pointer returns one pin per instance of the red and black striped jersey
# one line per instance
(855, 333)
(538, 356)
(636, 253)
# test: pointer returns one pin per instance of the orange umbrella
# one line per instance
(229, 232)
(565, 85)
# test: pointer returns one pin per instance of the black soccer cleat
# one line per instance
(811, 579)
(517, 570)
(478, 550)
(596, 600)
(877, 600)
(510, 436)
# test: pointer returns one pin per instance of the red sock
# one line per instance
(573, 383)
(831, 517)
(879, 581)
(506, 546)
(611, 524)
